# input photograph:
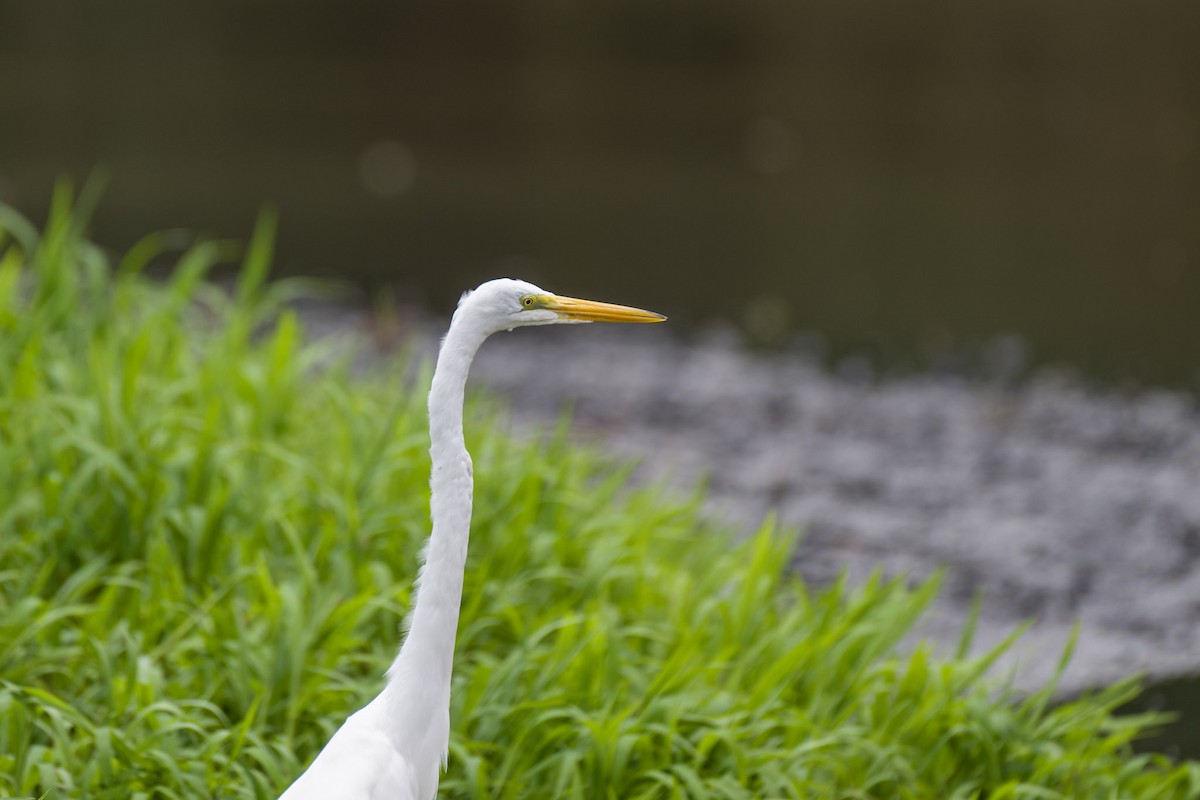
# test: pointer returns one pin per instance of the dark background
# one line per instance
(909, 179)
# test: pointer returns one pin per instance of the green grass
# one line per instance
(208, 531)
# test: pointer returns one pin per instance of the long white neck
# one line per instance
(419, 678)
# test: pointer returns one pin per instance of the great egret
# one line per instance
(395, 746)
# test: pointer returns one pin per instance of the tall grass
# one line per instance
(208, 531)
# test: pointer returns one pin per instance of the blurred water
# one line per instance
(907, 179)
(1181, 737)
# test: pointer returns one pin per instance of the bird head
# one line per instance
(505, 303)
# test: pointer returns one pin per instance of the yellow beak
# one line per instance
(593, 311)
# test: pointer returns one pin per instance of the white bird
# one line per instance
(395, 747)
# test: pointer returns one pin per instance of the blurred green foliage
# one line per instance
(208, 531)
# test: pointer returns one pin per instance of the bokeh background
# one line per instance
(909, 179)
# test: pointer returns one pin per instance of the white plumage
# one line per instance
(395, 747)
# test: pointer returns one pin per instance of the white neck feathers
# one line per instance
(419, 678)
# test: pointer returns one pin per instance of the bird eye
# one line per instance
(527, 301)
